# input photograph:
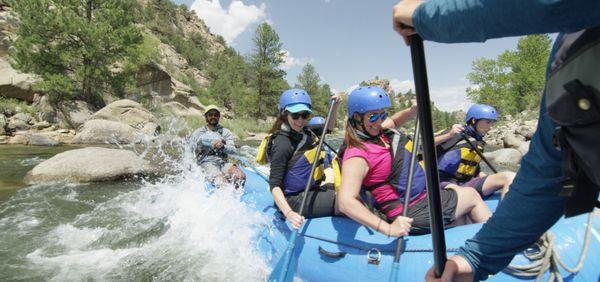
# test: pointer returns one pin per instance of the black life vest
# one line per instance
(300, 164)
(573, 102)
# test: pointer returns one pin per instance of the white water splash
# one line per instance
(173, 228)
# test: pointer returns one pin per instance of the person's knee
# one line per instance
(507, 177)
(473, 195)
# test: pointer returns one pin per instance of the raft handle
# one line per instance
(374, 256)
(331, 254)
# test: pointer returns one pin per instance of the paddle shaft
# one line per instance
(431, 172)
(328, 146)
(315, 160)
(479, 153)
(401, 246)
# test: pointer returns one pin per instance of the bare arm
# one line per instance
(331, 124)
(455, 130)
(292, 216)
(399, 118)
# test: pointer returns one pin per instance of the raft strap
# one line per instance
(326, 253)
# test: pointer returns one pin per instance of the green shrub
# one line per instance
(10, 106)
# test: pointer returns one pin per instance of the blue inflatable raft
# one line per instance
(339, 249)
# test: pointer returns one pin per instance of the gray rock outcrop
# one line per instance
(130, 113)
(100, 131)
(506, 156)
(90, 164)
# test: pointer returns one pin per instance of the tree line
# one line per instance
(89, 49)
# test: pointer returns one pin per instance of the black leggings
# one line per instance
(419, 212)
(319, 203)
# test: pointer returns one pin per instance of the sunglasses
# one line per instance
(213, 114)
(375, 116)
(304, 115)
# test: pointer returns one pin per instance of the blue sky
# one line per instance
(347, 41)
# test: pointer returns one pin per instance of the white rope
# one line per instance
(548, 258)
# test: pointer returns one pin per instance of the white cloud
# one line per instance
(401, 86)
(229, 22)
(290, 62)
(450, 98)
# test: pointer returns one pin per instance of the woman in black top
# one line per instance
(290, 166)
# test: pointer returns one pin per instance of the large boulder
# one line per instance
(19, 122)
(179, 110)
(525, 131)
(130, 113)
(41, 140)
(67, 114)
(506, 156)
(90, 164)
(98, 131)
(73, 114)
(14, 84)
(524, 148)
(513, 141)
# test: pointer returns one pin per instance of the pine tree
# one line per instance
(268, 77)
(310, 81)
(76, 46)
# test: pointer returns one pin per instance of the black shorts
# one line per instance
(320, 201)
(419, 212)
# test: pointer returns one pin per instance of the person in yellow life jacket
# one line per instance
(459, 163)
(333, 168)
(290, 150)
(376, 159)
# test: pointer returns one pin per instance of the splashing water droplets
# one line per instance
(170, 228)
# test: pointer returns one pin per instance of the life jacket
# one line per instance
(457, 160)
(573, 102)
(401, 147)
(209, 150)
(299, 165)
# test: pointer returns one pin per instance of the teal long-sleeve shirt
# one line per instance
(533, 205)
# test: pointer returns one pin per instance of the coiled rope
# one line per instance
(548, 258)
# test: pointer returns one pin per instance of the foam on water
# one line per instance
(173, 228)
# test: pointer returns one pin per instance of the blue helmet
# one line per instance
(317, 121)
(367, 98)
(479, 111)
(293, 96)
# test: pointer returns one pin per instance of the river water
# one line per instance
(162, 229)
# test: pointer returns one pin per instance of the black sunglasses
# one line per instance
(304, 115)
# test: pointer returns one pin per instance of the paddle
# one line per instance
(401, 245)
(478, 152)
(431, 170)
(282, 270)
(248, 164)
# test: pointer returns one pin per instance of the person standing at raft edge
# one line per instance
(569, 111)
(290, 150)
(459, 163)
(213, 144)
(376, 158)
